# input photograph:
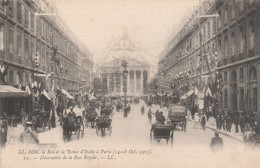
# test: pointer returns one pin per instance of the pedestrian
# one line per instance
(203, 121)
(193, 110)
(242, 122)
(53, 121)
(161, 118)
(236, 120)
(223, 121)
(3, 136)
(142, 110)
(217, 121)
(216, 143)
(29, 136)
(150, 115)
(24, 117)
(71, 114)
(228, 123)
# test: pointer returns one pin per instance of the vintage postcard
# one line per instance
(129, 83)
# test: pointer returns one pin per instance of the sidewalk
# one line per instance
(211, 124)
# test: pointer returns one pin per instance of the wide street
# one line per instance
(133, 133)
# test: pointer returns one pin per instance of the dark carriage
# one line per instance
(41, 120)
(177, 116)
(159, 131)
(103, 125)
(91, 118)
(119, 106)
(73, 126)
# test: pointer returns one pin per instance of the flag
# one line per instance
(196, 91)
(208, 92)
(27, 89)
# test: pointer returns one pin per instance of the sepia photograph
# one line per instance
(130, 83)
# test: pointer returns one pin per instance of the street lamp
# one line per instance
(125, 72)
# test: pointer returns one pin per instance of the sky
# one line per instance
(151, 23)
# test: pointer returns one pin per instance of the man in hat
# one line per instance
(216, 143)
(3, 136)
(29, 136)
(71, 114)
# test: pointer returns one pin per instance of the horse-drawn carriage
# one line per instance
(42, 120)
(119, 106)
(177, 116)
(103, 125)
(73, 125)
(160, 131)
(90, 115)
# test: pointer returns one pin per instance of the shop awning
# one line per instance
(46, 94)
(188, 94)
(92, 98)
(67, 94)
(10, 91)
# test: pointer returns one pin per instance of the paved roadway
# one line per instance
(190, 148)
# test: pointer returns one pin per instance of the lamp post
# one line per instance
(125, 72)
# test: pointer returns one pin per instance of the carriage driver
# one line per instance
(71, 114)
(29, 136)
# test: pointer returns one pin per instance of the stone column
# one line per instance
(115, 82)
(108, 76)
(122, 75)
(142, 82)
(128, 81)
(134, 81)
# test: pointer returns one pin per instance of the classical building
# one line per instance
(230, 43)
(39, 56)
(111, 72)
(30, 31)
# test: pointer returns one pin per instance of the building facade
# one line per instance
(111, 72)
(230, 42)
(31, 31)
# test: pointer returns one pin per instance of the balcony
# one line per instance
(240, 56)
(251, 52)
(225, 61)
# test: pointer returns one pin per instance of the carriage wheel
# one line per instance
(151, 137)
(110, 130)
(86, 123)
(97, 130)
(43, 127)
(78, 134)
(82, 131)
(171, 138)
(49, 125)
(182, 126)
(185, 125)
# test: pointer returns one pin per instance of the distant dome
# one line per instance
(124, 44)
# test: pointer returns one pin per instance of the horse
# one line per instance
(250, 139)
(69, 125)
(91, 117)
(102, 124)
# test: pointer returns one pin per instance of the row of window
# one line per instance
(26, 17)
(240, 98)
(233, 9)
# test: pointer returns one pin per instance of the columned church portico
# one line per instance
(137, 80)
(111, 72)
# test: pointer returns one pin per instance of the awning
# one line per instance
(67, 94)
(185, 96)
(46, 94)
(92, 98)
(10, 91)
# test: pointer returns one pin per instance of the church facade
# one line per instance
(111, 72)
